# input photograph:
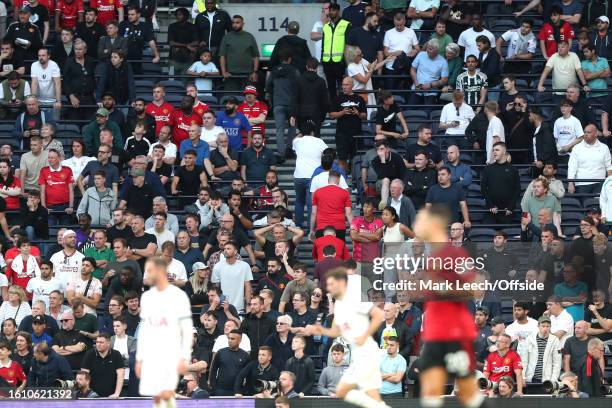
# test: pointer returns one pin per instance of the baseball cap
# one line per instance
(605, 19)
(250, 90)
(137, 172)
(594, 210)
(543, 319)
(497, 320)
(199, 265)
(68, 233)
(39, 320)
(102, 112)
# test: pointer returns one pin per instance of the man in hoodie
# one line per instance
(500, 186)
(282, 87)
(47, 367)
(330, 376)
(293, 43)
(312, 99)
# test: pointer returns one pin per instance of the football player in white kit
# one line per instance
(165, 335)
(355, 321)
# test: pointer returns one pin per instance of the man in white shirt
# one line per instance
(495, 130)
(67, 262)
(456, 116)
(85, 287)
(234, 277)
(561, 322)
(398, 40)
(164, 140)
(567, 131)
(46, 81)
(160, 229)
(590, 159)
(422, 13)
(521, 47)
(210, 130)
(177, 274)
(41, 286)
(522, 327)
(467, 39)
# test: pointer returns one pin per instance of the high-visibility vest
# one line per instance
(333, 41)
(201, 5)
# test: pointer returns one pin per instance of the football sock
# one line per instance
(432, 402)
(361, 399)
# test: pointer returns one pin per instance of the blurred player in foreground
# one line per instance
(164, 340)
(355, 321)
(448, 327)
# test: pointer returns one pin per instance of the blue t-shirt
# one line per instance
(234, 126)
(391, 366)
(450, 196)
(597, 83)
(564, 290)
(202, 150)
(429, 70)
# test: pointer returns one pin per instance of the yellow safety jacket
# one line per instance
(334, 41)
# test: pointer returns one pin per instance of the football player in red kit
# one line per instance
(449, 330)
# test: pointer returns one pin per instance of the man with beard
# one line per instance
(235, 124)
(368, 38)
(138, 114)
(274, 280)
(257, 160)
(199, 107)
(182, 118)
(121, 251)
(238, 55)
(120, 228)
(211, 24)
(256, 325)
(90, 31)
(109, 102)
(518, 129)
(265, 191)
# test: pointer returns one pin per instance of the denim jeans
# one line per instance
(281, 116)
(302, 198)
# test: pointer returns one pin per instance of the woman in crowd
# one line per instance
(197, 286)
(23, 350)
(10, 190)
(452, 53)
(16, 306)
(361, 70)
(9, 331)
(47, 132)
(505, 388)
(78, 161)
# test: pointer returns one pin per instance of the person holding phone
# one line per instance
(456, 116)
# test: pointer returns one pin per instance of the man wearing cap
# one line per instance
(235, 124)
(25, 36)
(39, 324)
(296, 45)
(600, 37)
(543, 360)
(254, 110)
(91, 132)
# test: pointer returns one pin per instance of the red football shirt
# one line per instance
(161, 114)
(342, 252)
(12, 203)
(57, 185)
(107, 9)
(13, 373)
(331, 201)
(498, 366)
(201, 108)
(448, 321)
(180, 124)
(70, 12)
(547, 34)
(253, 111)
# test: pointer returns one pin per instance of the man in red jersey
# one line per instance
(199, 107)
(182, 118)
(255, 111)
(329, 238)
(554, 31)
(159, 108)
(331, 205)
(56, 187)
(68, 13)
(108, 10)
(505, 362)
(448, 327)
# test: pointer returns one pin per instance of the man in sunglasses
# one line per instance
(69, 342)
(519, 130)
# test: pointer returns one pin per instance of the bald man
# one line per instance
(394, 327)
(589, 159)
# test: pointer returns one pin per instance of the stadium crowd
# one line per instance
(104, 168)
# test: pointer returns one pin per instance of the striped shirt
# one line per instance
(471, 86)
(537, 374)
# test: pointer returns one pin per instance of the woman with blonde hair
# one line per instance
(452, 53)
(197, 286)
(16, 306)
(361, 70)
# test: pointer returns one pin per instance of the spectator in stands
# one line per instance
(329, 238)
(572, 292)
(9, 61)
(473, 83)
(299, 284)
(424, 144)
(489, 64)
(105, 366)
(48, 366)
(330, 206)
(592, 369)
(234, 277)
(429, 71)
(121, 227)
(34, 217)
(543, 360)
(392, 326)
(99, 201)
(595, 70)
(85, 287)
(227, 364)
(46, 82)
(419, 179)
(456, 115)
(331, 374)
(29, 123)
(400, 42)
(500, 186)
(138, 196)
(189, 178)
(589, 159)
(361, 71)
(117, 78)
(367, 37)
(234, 123)
(90, 30)
(566, 70)
(64, 48)
(522, 45)
(297, 47)
(386, 120)
(581, 108)
(392, 367)
(495, 129)
(212, 23)
(160, 229)
(441, 36)
(182, 118)
(258, 369)
(311, 101)
(556, 188)
(23, 267)
(509, 91)
(256, 325)
(13, 92)
(301, 366)
(333, 46)
(256, 160)
(56, 187)
(92, 132)
(138, 36)
(137, 144)
(388, 166)
(575, 348)
(504, 361)
(544, 144)
(141, 244)
(320, 176)
(363, 231)
(69, 342)
(182, 38)
(79, 83)
(518, 129)
(562, 323)
(12, 373)
(354, 13)
(539, 199)
(79, 160)
(449, 194)
(112, 41)
(460, 172)
(468, 38)
(238, 55)
(281, 341)
(16, 305)
(101, 252)
(599, 37)
(202, 69)
(27, 37)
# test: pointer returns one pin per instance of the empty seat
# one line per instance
(482, 234)
(570, 203)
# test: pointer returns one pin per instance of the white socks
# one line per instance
(361, 399)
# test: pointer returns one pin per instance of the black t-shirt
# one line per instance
(387, 118)
(164, 170)
(189, 180)
(70, 338)
(11, 64)
(349, 125)
(606, 313)
(39, 15)
(140, 199)
(105, 378)
(237, 234)
(183, 33)
(458, 11)
(91, 36)
(111, 173)
(257, 163)
(217, 160)
(432, 150)
(370, 42)
(394, 167)
(138, 35)
(113, 232)
(141, 243)
(119, 158)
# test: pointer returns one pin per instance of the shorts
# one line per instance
(158, 375)
(345, 146)
(456, 357)
(364, 369)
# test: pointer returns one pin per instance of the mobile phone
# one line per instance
(222, 298)
(456, 122)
